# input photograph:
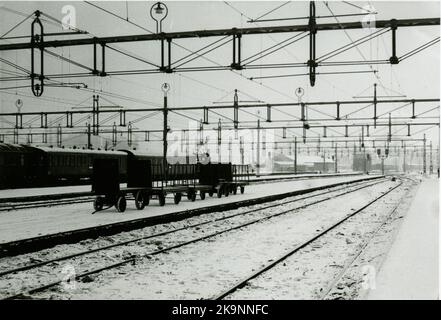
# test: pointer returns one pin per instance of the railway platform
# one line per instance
(410, 269)
(29, 223)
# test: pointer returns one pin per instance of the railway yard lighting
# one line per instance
(159, 9)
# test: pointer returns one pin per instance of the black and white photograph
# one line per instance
(240, 152)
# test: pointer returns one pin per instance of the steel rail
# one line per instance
(275, 262)
(70, 256)
(179, 245)
(41, 204)
(362, 247)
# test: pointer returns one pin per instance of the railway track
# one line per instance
(325, 294)
(72, 236)
(31, 202)
(278, 260)
(43, 203)
(322, 196)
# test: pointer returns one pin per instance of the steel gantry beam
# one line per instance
(95, 112)
(268, 106)
(233, 128)
(311, 29)
(220, 33)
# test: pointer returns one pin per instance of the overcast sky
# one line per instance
(416, 77)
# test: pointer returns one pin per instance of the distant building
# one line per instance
(305, 163)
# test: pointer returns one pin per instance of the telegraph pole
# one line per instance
(404, 157)
(95, 115)
(335, 157)
(424, 155)
(258, 148)
(89, 143)
(431, 163)
(165, 89)
(295, 155)
(242, 159)
(364, 160)
(437, 160)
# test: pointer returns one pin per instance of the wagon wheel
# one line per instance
(139, 200)
(161, 198)
(178, 197)
(121, 203)
(219, 192)
(242, 189)
(98, 203)
(227, 191)
(235, 190)
(210, 193)
(193, 196)
(202, 195)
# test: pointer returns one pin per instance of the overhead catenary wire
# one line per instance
(358, 7)
(317, 17)
(271, 11)
(350, 38)
(298, 37)
(351, 45)
(16, 26)
(419, 49)
(305, 74)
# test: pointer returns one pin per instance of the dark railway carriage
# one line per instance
(75, 165)
(26, 166)
(20, 166)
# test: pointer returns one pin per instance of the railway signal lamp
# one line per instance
(159, 9)
(19, 104)
(304, 110)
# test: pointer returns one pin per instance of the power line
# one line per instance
(271, 11)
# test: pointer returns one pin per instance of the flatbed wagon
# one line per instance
(146, 181)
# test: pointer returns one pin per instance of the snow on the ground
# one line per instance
(308, 273)
(356, 280)
(28, 192)
(303, 175)
(410, 270)
(26, 223)
(25, 192)
(204, 269)
(181, 231)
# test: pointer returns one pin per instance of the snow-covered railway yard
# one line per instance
(219, 154)
(232, 254)
(34, 222)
